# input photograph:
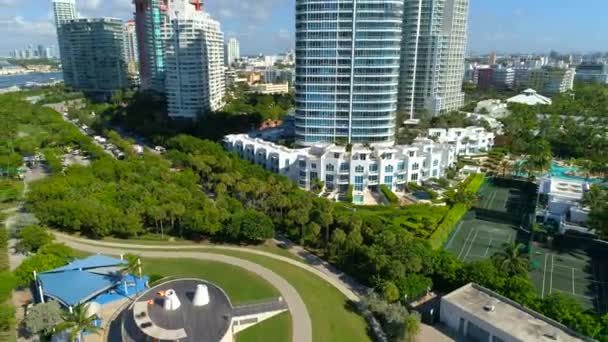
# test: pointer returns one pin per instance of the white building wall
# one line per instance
(363, 167)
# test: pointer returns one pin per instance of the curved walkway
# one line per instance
(302, 326)
(339, 280)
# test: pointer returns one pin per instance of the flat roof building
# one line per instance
(474, 313)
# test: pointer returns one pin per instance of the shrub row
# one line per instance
(441, 234)
(474, 182)
(390, 196)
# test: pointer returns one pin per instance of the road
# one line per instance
(302, 326)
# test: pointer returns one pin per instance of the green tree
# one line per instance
(77, 322)
(42, 318)
(390, 292)
(251, 225)
(31, 238)
(512, 259)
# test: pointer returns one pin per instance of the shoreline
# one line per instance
(30, 73)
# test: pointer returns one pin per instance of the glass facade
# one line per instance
(347, 70)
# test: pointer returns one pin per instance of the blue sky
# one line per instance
(266, 26)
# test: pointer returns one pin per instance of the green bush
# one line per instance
(474, 182)
(7, 284)
(390, 196)
(349, 194)
(7, 317)
(441, 234)
(3, 250)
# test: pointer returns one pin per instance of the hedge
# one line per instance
(473, 182)
(390, 196)
(451, 219)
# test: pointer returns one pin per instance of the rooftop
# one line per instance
(508, 316)
(207, 323)
(530, 97)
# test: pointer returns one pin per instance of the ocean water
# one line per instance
(19, 80)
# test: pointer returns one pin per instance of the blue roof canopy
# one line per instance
(81, 280)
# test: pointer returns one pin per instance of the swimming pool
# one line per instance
(561, 172)
(358, 199)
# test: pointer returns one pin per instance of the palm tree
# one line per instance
(133, 265)
(504, 167)
(512, 259)
(77, 321)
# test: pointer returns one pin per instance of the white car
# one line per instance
(160, 149)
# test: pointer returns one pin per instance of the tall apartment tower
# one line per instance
(92, 56)
(150, 16)
(64, 11)
(347, 70)
(194, 60)
(131, 46)
(432, 66)
(233, 51)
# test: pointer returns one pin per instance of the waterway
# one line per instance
(21, 80)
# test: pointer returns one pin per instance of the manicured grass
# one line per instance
(156, 240)
(279, 327)
(241, 286)
(329, 310)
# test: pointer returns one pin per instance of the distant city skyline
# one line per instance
(267, 26)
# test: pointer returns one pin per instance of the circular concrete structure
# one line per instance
(147, 318)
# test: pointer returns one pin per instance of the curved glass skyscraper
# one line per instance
(347, 70)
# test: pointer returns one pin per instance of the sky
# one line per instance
(267, 26)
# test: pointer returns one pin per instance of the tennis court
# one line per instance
(576, 272)
(475, 239)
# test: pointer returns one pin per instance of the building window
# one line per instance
(373, 178)
(344, 167)
(388, 180)
(337, 155)
(435, 162)
(412, 153)
(358, 183)
(388, 156)
(313, 166)
(389, 169)
(314, 176)
(414, 177)
(401, 166)
(329, 179)
(415, 167)
(302, 164)
(373, 167)
(359, 169)
(329, 168)
(363, 157)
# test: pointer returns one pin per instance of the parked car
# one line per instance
(160, 149)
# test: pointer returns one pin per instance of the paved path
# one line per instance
(334, 279)
(302, 326)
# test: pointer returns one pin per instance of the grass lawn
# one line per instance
(241, 286)
(156, 240)
(332, 318)
(279, 327)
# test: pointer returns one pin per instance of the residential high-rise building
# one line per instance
(64, 11)
(347, 70)
(233, 51)
(592, 73)
(150, 16)
(551, 81)
(492, 58)
(92, 56)
(131, 50)
(432, 68)
(194, 60)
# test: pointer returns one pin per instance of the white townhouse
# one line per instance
(468, 141)
(364, 167)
